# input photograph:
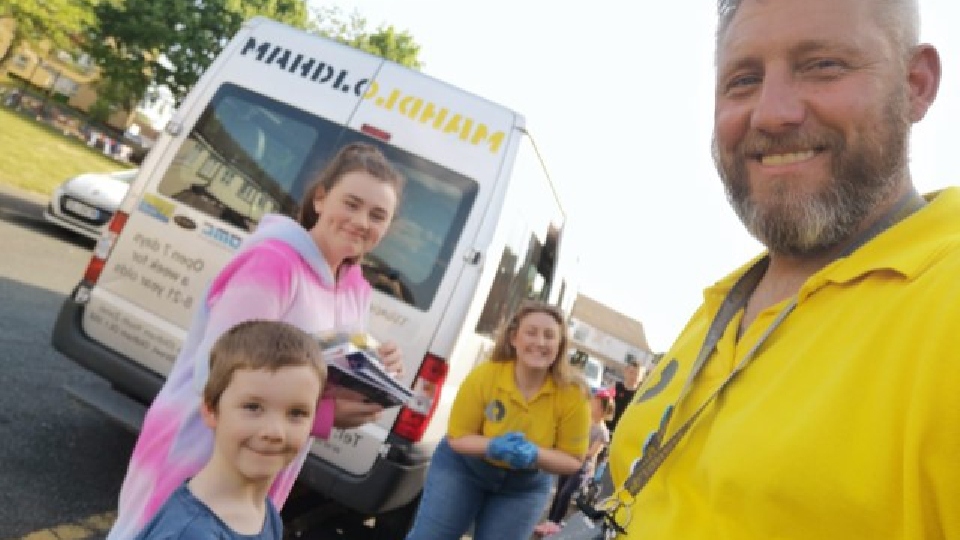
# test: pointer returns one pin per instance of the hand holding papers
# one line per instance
(353, 364)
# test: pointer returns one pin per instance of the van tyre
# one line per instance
(395, 524)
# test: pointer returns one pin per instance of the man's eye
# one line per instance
(823, 63)
(824, 66)
(741, 82)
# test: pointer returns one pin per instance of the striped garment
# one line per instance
(278, 274)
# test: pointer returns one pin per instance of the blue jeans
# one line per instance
(502, 504)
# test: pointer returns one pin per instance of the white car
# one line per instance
(84, 204)
(593, 373)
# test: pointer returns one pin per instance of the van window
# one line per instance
(249, 155)
(414, 256)
(527, 267)
(244, 158)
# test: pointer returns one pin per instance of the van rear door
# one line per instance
(249, 139)
(246, 141)
(454, 150)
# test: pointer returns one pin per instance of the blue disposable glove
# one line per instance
(523, 455)
(500, 448)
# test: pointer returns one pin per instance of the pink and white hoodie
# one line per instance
(277, 274)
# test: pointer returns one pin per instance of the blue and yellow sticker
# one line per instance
(156, 207)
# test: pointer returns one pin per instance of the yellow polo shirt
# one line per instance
(846, 425)
(489, 403)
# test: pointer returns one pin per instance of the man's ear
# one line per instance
(208, 415)
(923, 77)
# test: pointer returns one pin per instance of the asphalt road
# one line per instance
(61, 464)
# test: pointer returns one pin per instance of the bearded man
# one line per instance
(816, 392)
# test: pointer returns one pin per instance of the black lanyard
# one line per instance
(654, 449)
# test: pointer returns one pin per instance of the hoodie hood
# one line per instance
(288, 231)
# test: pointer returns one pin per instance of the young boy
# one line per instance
(265, 380)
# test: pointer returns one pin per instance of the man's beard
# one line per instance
(862, 177)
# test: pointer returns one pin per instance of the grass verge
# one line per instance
(36, 157)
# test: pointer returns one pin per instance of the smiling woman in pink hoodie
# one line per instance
(305, 273)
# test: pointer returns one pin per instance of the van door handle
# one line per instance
(174, 127)
(473, 257)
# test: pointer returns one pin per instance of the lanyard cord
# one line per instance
(654, 450)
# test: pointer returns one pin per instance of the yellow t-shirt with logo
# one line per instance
(846, 424)
(489, 403)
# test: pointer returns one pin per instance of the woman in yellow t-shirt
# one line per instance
(517, 420)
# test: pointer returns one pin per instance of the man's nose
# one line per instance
(780, 103)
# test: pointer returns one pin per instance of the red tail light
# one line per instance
(104, 247)
(376, 132)
(414, 418)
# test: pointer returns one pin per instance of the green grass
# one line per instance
(36, 157)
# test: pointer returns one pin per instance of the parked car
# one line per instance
(593, 373)
(84, 204)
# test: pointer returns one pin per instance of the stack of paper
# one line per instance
(353, 364)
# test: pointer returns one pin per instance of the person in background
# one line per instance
(624, 391)
(305, 273)
(259, 401)
(517, 419)
(601, 410)
(826, 404)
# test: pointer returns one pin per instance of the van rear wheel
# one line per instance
(307, 515)
(395, 524)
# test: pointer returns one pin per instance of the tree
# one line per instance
(57, 22)
(139, 42)
(351, 30)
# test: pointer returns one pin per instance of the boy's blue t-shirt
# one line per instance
(184, 517)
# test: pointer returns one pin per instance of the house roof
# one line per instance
(609, 321)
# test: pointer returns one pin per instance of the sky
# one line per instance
(619, 100)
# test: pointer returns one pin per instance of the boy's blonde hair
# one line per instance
(259, 344)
